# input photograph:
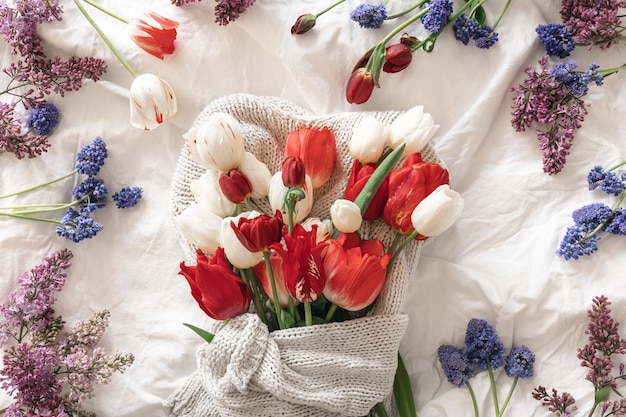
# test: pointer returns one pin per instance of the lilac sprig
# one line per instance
(45, 373)
(594, 23)
(484, 351)
(226, 11)
(598, 356)
(88, 196)
(582, 238)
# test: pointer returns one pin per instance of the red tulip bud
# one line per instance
(360, 86)
(236, 186)
(293, 172)
(304, 23)
(397, 58)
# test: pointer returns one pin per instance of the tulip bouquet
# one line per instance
(302, 234)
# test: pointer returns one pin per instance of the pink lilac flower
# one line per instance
(227, 11)
(593, 22)
(559, 404)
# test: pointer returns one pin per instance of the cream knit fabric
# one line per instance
(331, 370)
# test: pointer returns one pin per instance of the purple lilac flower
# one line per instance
(519, 363)
(438, 15)
(554, 402)
(182, 2)
(483, 345)
(90, 159)
(593, 22)
(229, 10)
(13, 140)
(577, 82)
(455, 365)
(43, 119)
(369, 16)
(556, 40)
(78, 226)
(467, 29)
(542, 99)
(127, 197)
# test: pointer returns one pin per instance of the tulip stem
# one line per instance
(270, 274)
(245, 276)
(332, 6)
(103, 10)
(408, 239)
(308, 315)
(106, 39)
(331, 312)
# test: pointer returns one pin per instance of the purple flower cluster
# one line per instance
(593, 22)
(554, 402)
(34, 75)
(466, 29)
(556, 39)
(577, 82)
(227, 11)
(552, 102)
(46, 374)
(582, 238)
(455, 365)
(369, 16)
(43, 119)
(438, 15)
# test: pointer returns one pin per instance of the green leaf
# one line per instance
(201, 332)
(380, 411)
(602, 394)
(402, 391)
(479, 14)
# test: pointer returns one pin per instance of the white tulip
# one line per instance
(323, 228)
(258, 174)
(152, 101)
(200, 227)
(414, 127)
(278, 191)
(368, 140)
(346, 215)
(437, 212)
(219, 141)
(207, 192)
(235, 252)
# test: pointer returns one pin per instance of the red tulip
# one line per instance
(303, 24)
(258, 233)
(220, 293)
(355, 271)
(397, 58)
(236, 186)
(360, 86)
(153, 33)
(357, 180)
(280, 268)
(303, 251)
(293, 173)
(317, 150)
(407, 187)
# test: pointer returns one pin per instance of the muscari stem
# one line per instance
(402, 13)
(504, 9)
(473, 396)
(26, 190)
(106, 39)
(107, 11)
(508, 397)
(270, 274)
(494, 392)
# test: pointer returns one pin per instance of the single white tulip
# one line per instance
(152, 102)
(368, 140)
(200, 227)
(235, 252)
(346, 215)
(219, 141)
(414, 127)
(207, 192)
(437, 212)
(278, 191)
(258, 174)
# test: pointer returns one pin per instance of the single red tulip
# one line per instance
(397, 58)
(355, 271)
(407, 187)
(281, 267)
(258, 233)
(235, 185)
(293, 172)
(357, 180)
(153, 33)
(303, 24)
(318, 151)
(220, 293)
(360, 86)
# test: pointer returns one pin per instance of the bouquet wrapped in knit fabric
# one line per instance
(302, 234)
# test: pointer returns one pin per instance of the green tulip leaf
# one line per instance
(201, 332)
(402, 391)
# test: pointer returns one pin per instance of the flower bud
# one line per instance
(235, 186)
(346, 215)
(360, 86)
(368, 140)
(437, 212)
(303, 24)
(152, 102)
(397, 58)
(414, 127)
(293, 172)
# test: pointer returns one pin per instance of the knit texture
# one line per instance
(329, 370)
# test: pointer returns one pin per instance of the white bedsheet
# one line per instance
(496, 263)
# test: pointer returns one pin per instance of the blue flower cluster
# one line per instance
(577, 82)
(437, 16)
(483, 350)
(369, 16)
(43, 119)
(582, 238)
(556, 39)
(467, 29)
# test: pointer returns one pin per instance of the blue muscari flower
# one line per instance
(595, 177)
(556, 39)
(617, 225)
(78, 226)
(485, 37)
(437, 15)
(127, 197)
(467, 29)
(613, 184)
(577, 243)
(369, 16)
(43, 119)
(483, 345)
(519, 363)
(577, 82)
(455, 365)
(92, 191)
(91, 157)
(591, 215)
